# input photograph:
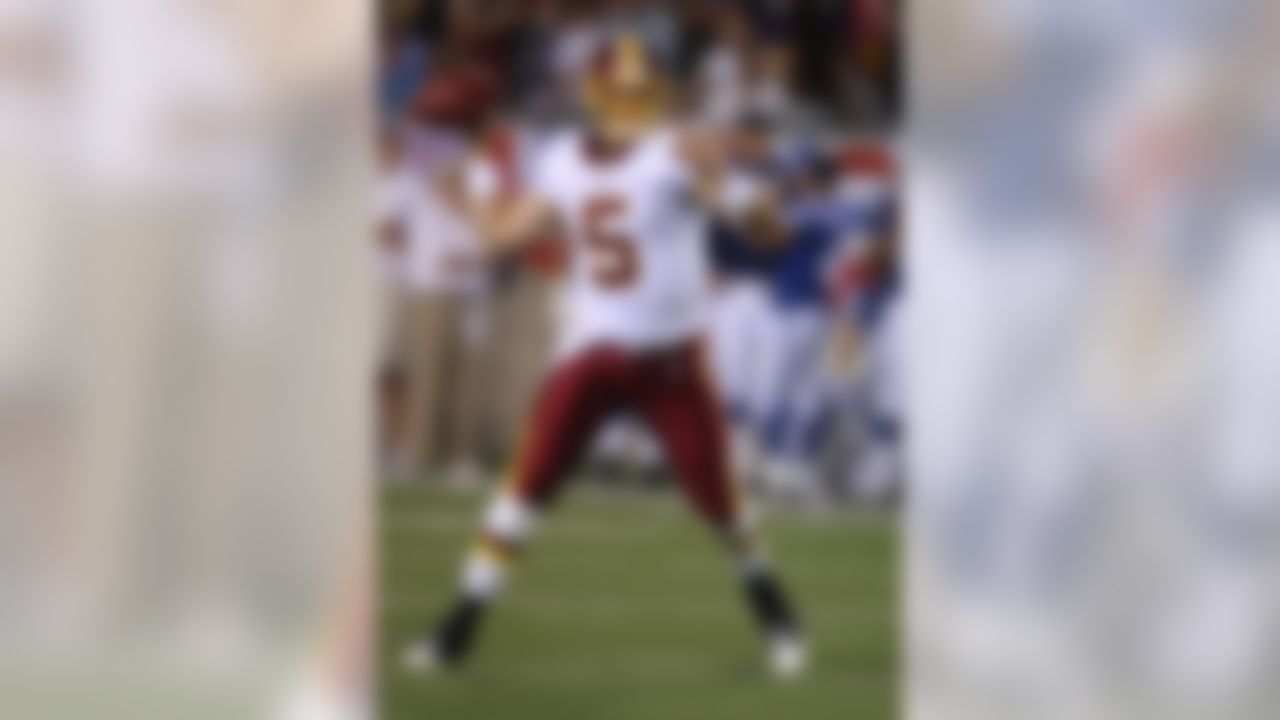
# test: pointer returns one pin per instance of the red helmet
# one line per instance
(458, 95)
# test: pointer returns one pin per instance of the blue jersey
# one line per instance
(798, 278)
(818, 231)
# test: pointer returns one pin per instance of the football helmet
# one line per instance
(625, 91)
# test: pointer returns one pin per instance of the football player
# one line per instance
(631, 196)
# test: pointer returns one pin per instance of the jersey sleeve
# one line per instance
(546, 168)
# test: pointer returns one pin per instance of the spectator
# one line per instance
(434, 354)
(722, 74)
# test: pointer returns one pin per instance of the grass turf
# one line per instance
(626, 610)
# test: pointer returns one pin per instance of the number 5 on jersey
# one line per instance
(614, 262)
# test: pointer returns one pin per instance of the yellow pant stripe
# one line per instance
(501, 553)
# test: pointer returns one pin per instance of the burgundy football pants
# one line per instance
(669, 390)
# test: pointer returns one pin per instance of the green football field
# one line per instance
(624, 609)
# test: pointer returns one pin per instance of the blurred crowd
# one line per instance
(812, 63)
(803, 334)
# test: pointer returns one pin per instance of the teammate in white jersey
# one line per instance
(631, 197)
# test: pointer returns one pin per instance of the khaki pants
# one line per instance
(445, 354)
(469, 387)
(522, 349)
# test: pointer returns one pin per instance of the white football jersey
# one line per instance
(638, 268)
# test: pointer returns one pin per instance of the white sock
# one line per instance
(508, 521)
(483, 576)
